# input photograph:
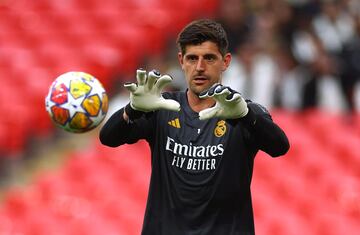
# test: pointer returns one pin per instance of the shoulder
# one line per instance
(257, 108)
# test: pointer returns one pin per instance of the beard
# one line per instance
(201, 82)
(198, 89)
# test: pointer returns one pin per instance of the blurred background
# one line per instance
(299, 58)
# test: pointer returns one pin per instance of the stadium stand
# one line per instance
(317, 192)
(314, 189)
(40, 40)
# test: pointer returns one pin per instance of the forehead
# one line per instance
(204, 48)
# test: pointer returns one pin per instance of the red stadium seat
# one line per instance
(106, 39)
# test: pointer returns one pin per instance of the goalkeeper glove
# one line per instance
(145, 95)
(229, 103)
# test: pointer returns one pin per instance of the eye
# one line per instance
(191, 58)
(210, 58)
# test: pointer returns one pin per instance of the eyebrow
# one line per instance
(211, 55)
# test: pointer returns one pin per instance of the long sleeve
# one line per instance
(116, 131)
(265, 134)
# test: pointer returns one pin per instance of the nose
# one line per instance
(200, 66)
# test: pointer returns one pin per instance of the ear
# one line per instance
(227, 60)
(181, 59)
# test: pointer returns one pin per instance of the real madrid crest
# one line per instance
(220, 128)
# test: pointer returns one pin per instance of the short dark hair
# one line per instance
(200, 31)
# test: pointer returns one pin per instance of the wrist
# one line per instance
(244, 111)
(131, 114)
(250, 118)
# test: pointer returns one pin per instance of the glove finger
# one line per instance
(203, 95)
(220, 88)
(141, 76)
(153, 76)
(130, 86)
(209, 92)
(169, 104)
(233, 97)
(162, 82)
(221, 93)
(214, 88)
(208, 113)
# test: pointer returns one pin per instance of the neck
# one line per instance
(197, 104)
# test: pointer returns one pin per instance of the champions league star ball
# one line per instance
(76, 102)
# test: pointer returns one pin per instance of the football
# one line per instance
(77, 102)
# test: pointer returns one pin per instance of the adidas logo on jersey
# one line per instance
(175, 123)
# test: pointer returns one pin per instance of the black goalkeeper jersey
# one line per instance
(201, 170)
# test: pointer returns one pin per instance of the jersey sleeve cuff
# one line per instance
(132, 113)
(250, 118)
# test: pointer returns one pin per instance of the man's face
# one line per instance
(203, 65)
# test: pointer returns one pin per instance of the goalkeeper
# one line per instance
(203, 140)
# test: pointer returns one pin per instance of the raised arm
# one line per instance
(266, 134)
(133, 122)
(117, 131)
(230, 105)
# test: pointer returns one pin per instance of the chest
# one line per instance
(196, 146)
(194, 133)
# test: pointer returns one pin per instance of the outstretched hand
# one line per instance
(145, 94)
(229, 103)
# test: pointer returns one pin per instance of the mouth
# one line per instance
(199, 80)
